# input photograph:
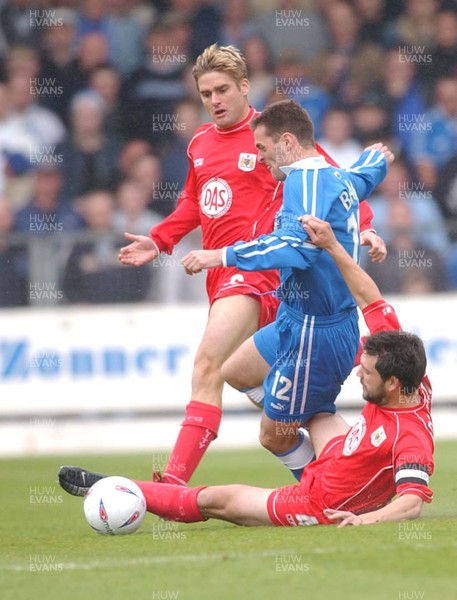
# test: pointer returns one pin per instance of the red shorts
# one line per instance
(295, 505)
(261, 285)
(301, 504)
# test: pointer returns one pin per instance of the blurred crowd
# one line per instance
(98, 104)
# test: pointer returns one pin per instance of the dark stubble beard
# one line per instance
(377, 399)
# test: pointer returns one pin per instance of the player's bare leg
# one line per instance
(325, 426)
(245, 371)
(289, 442)
(278, 436)
(240, 504)
(231, 321)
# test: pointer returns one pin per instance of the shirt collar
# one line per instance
(311, 163)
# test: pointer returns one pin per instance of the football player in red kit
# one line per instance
(232, 196)
(388, 452)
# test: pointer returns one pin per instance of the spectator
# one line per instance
(414, 27)
(13, 291)
(125, 36)
(150, 92)
(90, 153)
(434, 142)
(398, 92)
(446, 192)
(409, 268)
(371, 14)
(47, 210)
(5, 140)
(106, 81)
(92, 18)
(346, 69)
(408, 204)
(93, 274)
(58, 62)
(451, 268)
(20, 23)
(371, 124)
(260, 69)
(163, 195)
(236, 27)
(22, 60)
(442, 57)
(292, 81)
(130, 152)
(204, 20)
(337, 137)
(93, 52)
(40, 128)
(175, 163)
(132, 213)
(290, 29)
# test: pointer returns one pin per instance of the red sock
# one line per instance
(172, 502)
(199, 429)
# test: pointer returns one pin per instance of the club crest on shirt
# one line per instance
(378, 436)
(247, 161)
(215, 198)
(354, 437)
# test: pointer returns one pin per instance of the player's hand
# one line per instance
(198, 260)
(389, 155)
(378, 250)
(319, 231)
(141, 250)
(343, 517)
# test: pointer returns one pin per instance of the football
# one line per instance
(114, 506)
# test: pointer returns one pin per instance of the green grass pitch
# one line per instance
(48, 550)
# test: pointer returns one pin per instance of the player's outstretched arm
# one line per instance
(403, 508)
(140, 251)
(360, 284)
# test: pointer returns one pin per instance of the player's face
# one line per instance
(224, 99)
(373, 387)
(269, 152)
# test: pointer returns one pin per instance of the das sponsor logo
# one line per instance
(216, 198)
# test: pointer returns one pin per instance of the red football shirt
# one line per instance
(230, 194)
(387, 452)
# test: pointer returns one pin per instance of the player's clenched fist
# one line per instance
(141, 251)
(198, 260)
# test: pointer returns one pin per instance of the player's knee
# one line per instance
(269, 441)
(275, 441)
(230, 376)
(206, 367)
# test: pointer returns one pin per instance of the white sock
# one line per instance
(255, 395)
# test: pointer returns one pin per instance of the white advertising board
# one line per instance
(139, 357)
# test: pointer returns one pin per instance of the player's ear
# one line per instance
(392, 384)
(244, 86)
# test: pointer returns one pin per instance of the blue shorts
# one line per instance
(310, 358)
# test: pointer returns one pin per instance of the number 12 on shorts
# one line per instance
(281, 386)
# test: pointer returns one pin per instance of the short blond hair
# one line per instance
(225, 59)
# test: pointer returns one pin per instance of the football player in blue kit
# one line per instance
(304, 357)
